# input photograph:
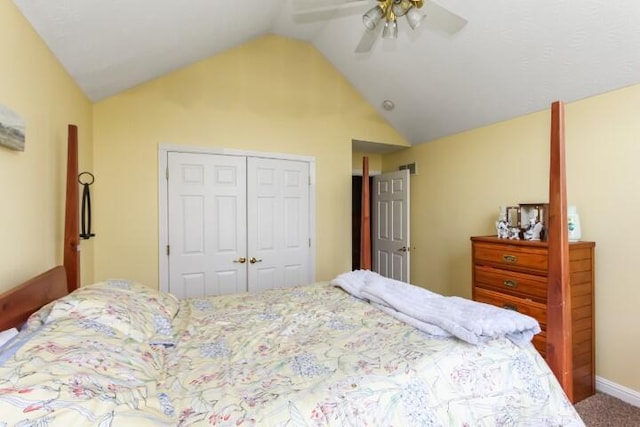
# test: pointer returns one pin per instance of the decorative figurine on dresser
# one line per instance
(502, 226)
(528, 234)
(513, 274)
(534, 230)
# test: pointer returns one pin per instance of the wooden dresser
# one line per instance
(513, 274)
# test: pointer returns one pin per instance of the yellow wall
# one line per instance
(32, 183)
(464, 178)
(272, 95)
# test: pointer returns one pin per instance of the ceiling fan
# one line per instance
(383, 17)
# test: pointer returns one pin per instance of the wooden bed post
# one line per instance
(71, 230)
(559, 334)
(365, 221)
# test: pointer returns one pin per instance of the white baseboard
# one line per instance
(616, 390)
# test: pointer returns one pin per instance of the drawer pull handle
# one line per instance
(509, 258)
(510, 283)
(510, 307)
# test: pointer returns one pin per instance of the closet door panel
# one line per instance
(207, 224)
(296, 243)
(193, 214)
(265, 239)
(225, 223)
(193, 285)
(278, 227)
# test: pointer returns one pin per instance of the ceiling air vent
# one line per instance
(411, 166)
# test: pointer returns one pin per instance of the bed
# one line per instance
(121, 353)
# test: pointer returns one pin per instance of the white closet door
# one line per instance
(207, 224)
(278, 223)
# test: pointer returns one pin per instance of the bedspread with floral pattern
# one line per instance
(305, 356)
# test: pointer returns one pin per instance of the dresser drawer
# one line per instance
(533, 259)
(519, 284)
(531, 308)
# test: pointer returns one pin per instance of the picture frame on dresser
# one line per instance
(513, 216)
(537, 211)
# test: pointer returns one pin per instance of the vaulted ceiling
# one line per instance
(512, 58)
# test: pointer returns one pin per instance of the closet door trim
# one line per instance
(163, 236)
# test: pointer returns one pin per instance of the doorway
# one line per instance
(390, 223)
(356, 216)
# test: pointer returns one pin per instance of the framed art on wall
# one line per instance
(12, 129)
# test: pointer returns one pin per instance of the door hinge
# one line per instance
(168, 250)
(166, 174)
(309, 241)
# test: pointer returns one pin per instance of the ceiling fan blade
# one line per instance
(314, 6)
(369, 38)
(443, 19)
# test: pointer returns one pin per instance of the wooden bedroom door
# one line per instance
(390, 218)
(236, 223)
(207, 224)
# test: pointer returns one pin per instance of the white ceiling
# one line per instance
(513, 57)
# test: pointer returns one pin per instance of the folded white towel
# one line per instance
(353, 281)
(471, 321)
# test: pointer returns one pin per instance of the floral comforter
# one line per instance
(121, 354)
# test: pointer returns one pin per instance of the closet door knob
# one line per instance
(253, 260)
(241, 260)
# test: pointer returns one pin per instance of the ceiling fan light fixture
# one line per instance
(414, 18)
(390, 30)
(372, 17)
(400, 7)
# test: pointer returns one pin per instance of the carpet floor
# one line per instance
(602, 410)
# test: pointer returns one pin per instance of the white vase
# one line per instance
(573, 219)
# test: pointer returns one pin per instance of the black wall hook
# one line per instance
(86, 204)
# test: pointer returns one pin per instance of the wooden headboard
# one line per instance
(19, 303)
